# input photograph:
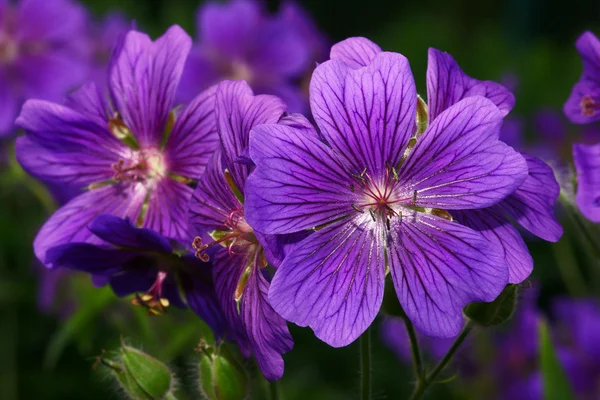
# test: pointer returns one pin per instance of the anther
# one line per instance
(352, 188)
(414, 199)
(372, 214)
(200, 249)
(357, 209)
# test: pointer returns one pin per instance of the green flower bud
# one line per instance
(221, 376)
(496, 312)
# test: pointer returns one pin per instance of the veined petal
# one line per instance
(587, 166)
(298, 182)
(70, 222)
(143, 81)
(367, 115)
(588, 47)
(122, 233)
(447, 84)
(167, 210)
(492, 224)
(91, 101)
(238, 111)
(438, 267)
(458, 163)
(356, 52)
(334, 281)
(213, 201)
(532, 204)
(277, 247)
(194, 137)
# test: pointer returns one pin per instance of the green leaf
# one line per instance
(151, 375)
(495, 313)
(556, 386)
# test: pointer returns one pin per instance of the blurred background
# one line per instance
(52, 328)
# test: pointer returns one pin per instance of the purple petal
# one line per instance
(87, 257)
(144, 77)
(277, 247)
(213, 201)
(300, 123)
(587, 166)
(438, 267)
(238, 111)
(367, 115)
(139, 278)
(493, 226)
(447, 84)
(55, 20)
(69, 223)
(532, 204)
(122, 233)
(194, 137)
(458, 163)
(167, 210)
(199, 73)
(334, 281)
(8, 109)
(587, 89)
(298, 182)
(91, 101)
(356, 52)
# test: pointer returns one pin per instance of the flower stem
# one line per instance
(414, 349)
(366, 383)
(423, 384)
(273, 390)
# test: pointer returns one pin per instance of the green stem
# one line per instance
(170, 396)
(424, 384)
(366, 383)
(414, 349)
(274, 390)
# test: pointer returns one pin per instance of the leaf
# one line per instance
(495, 313)
(556, 386)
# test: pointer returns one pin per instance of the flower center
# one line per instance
(239, 71)
(9, 49)
(152, 299)
(236, 234)
(589, 105)
(141, 166)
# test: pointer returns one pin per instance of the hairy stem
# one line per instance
(414, 349)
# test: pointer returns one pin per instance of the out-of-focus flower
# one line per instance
(103, 37)
(379, 196)
(42, 53)
(217, 208)
(587, 168)
(583, 105)
(140, 261)
(130, 152)
(577, 328)
(240, 40)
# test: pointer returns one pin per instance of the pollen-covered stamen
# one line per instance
(589, 105)
(140, 167)
(152, 299)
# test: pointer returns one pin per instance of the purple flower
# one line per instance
(130, 151)
(240, 40)
(140, 261)
(42, 53)
(377, 197)
(531, 205)
(587, 167)
(217, 208)
(103, 36)
(583, 105)
(577, 328)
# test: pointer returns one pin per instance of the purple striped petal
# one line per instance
(532, 204)
(194, 137)
(583, 105)
(298, 182)
(367, 115)
(91, 101)
(493, 226)
(438, 267)
(238, 111)
(587, 166)
(458, 163)
(122, 233)
(167, 210)
(447, 84)
(143, 80)
(70, 223)
(334, 281)
(356, 52)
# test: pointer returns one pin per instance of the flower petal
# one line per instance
(367, 115)
(194, 137)
(144, 77)
(167, 210)
(587, 166)
(334, 281)
(493, 226)
(356, 52)
(447, 84)
(69, 223)
(438, 267)
(532, 204)
(458, 163)
(238, 111)
(298, 182)
(97, 260)
(122, 233)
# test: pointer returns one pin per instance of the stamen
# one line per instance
(153, 300)
(372, 214)
(357, 209)
(352, 188)
(414, 199)
(589, 107)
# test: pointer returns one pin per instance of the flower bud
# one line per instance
(221, 376)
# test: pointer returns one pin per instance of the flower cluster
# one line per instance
(246, 212)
